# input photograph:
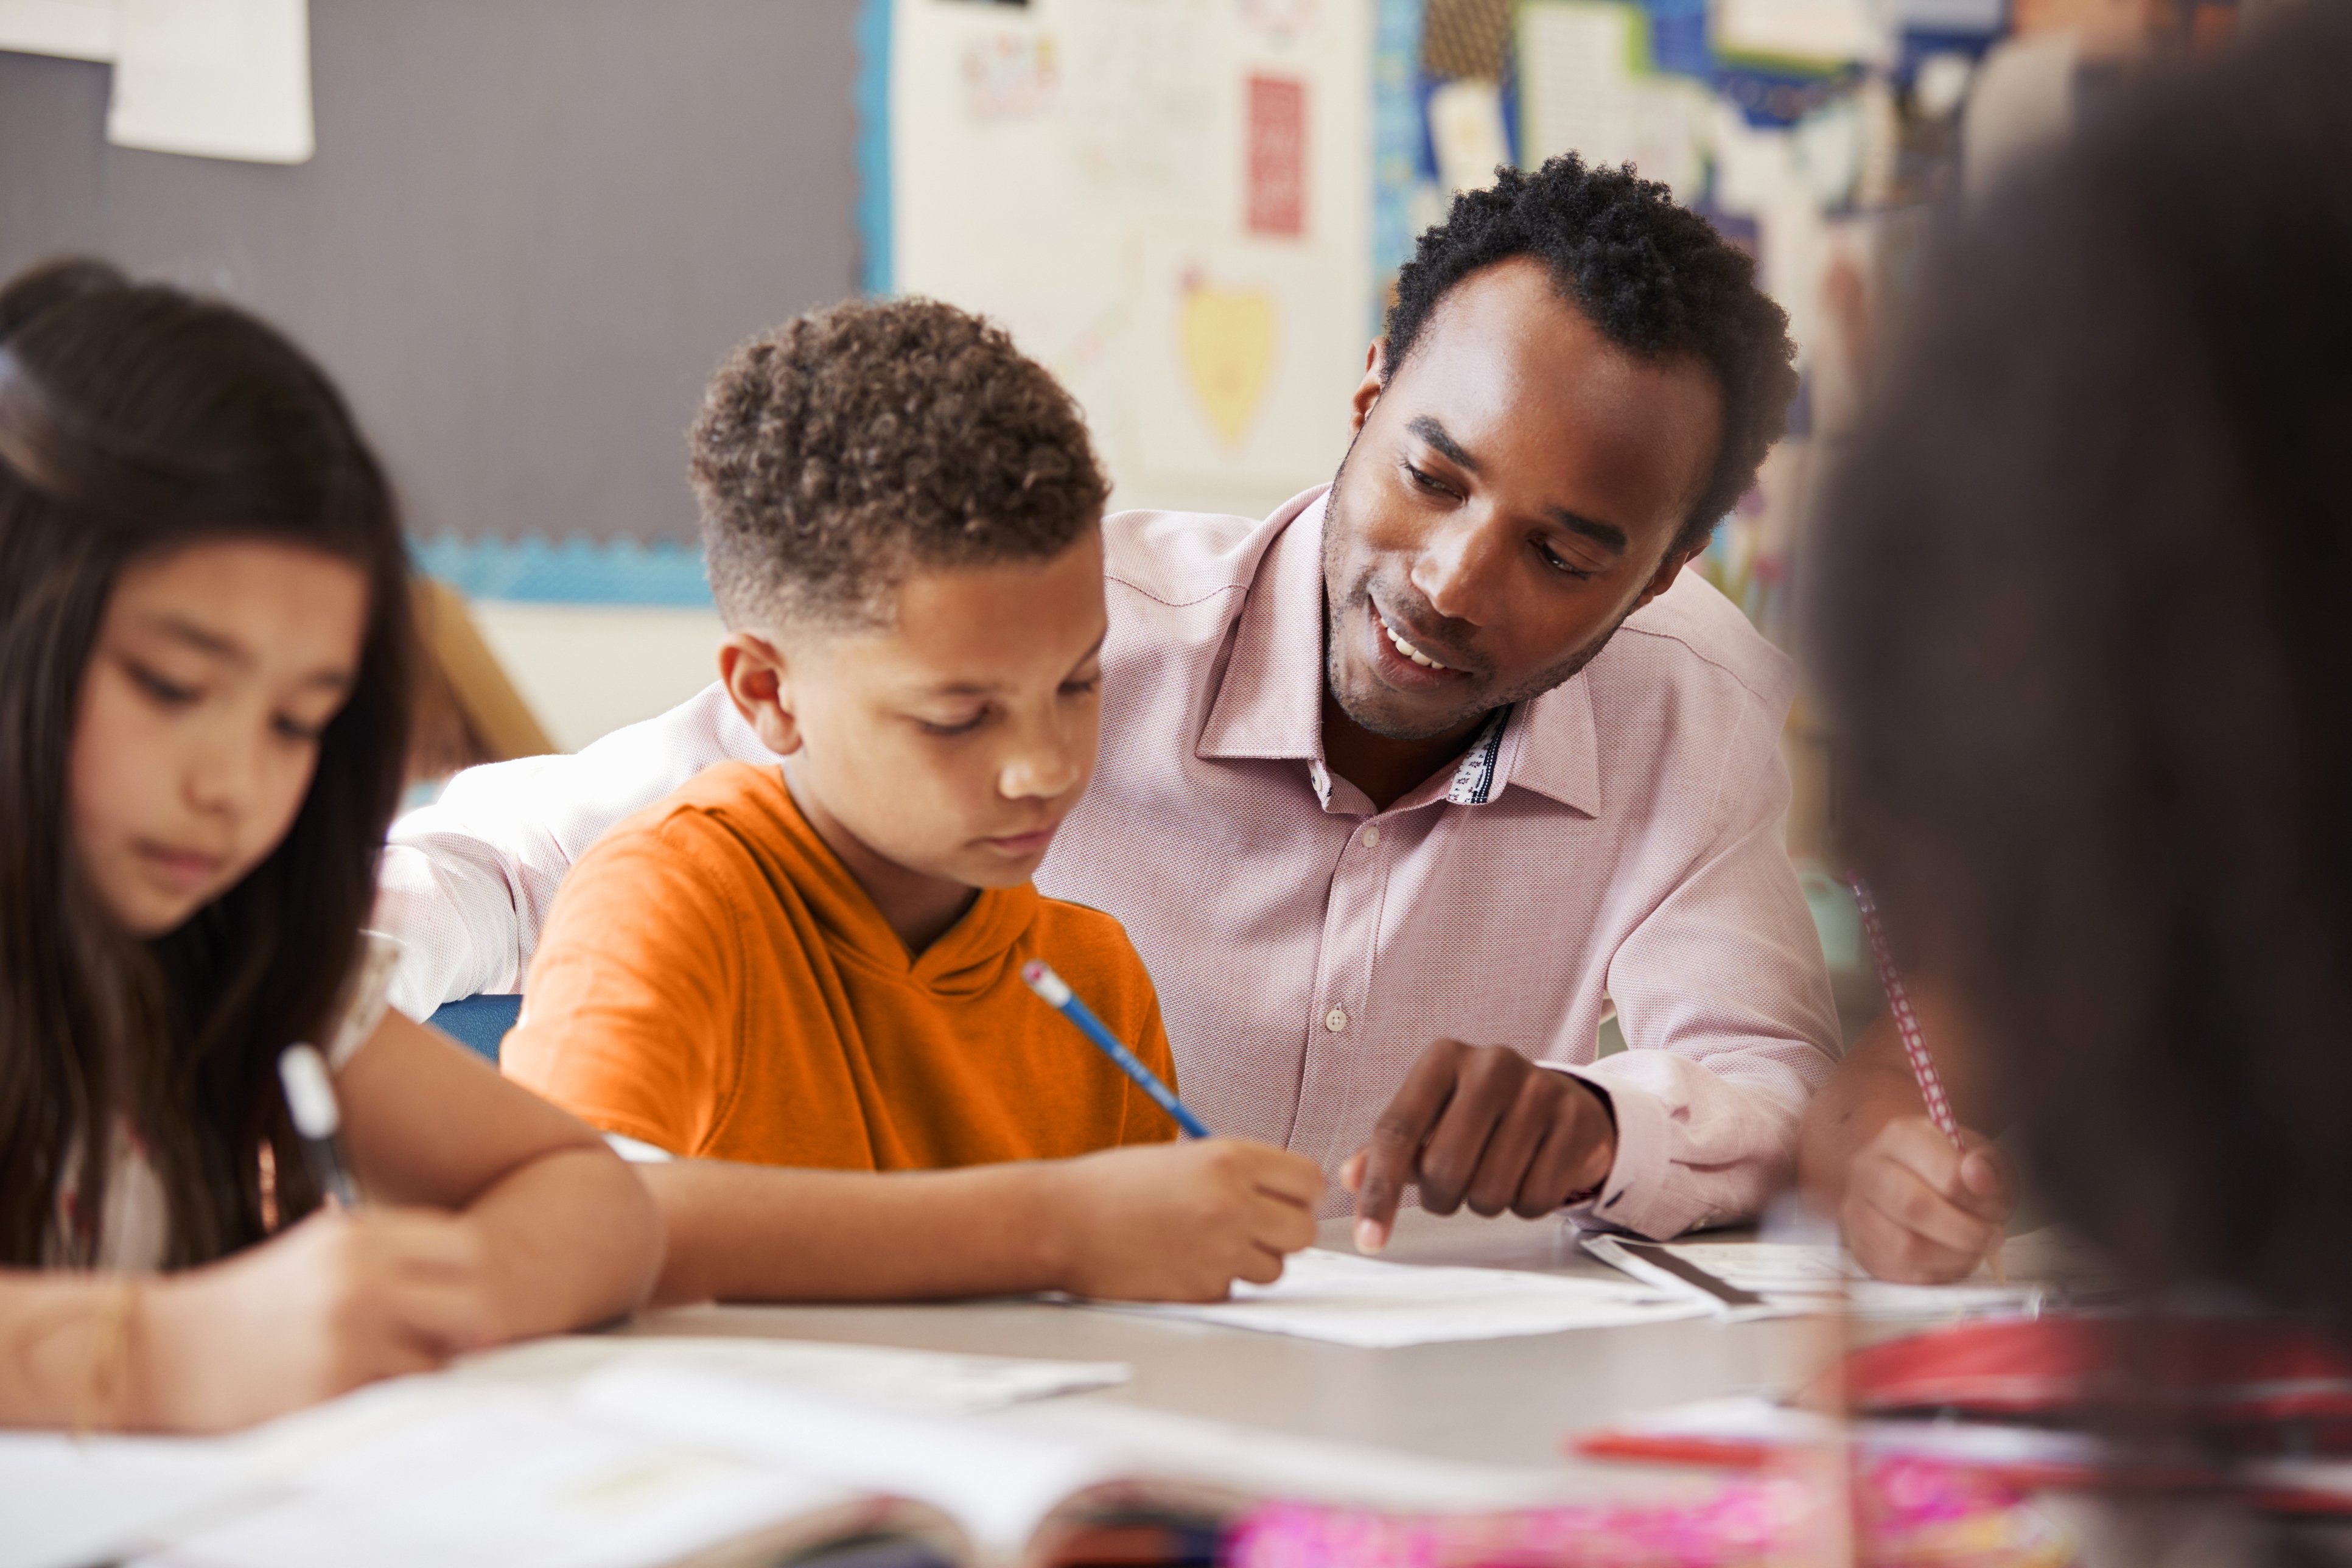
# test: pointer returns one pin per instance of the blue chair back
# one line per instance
(478, 1023)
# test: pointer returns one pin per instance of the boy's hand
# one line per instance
(1486, 1126)
(1180, 1222)
(341, 1300)
(1917, 1211)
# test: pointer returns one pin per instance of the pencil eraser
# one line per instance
(1044, 981)
(309, 1093)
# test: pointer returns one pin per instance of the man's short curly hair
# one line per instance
(1655, 278)
(855, 443)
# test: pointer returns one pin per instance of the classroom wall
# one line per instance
(530, 229)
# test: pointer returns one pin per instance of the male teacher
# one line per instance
(1403, 787)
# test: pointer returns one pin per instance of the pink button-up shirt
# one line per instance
(1618, 840)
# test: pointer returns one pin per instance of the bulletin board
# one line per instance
(1169, 203)
(529, 231)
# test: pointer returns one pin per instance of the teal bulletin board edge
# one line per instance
(575, 572)
(1396, 144)
(870, 95)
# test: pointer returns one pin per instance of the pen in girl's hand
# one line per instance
(318, 1120)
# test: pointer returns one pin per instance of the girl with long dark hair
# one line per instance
(204, 654)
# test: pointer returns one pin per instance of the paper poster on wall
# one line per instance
(216, 78)
(1586, 87)
(1167, 203)
(1255, 390)
(74, 29)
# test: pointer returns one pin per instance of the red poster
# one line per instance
(1277, 155)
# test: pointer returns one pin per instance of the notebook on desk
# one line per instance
(615, 1458)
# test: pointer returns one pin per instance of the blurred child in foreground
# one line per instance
(2082, 616)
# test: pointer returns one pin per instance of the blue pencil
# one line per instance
(1057, 991)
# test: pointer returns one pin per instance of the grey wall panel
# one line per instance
(530, 229)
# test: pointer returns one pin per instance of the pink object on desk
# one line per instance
(1908, 1513)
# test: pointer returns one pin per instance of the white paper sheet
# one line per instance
(75, 29)
(217, 78)
(922, 1382)
(516, 1479)
(1361, 1302)
(1804, 1277)
(65, 1503)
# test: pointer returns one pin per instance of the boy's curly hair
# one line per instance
(851, 445)
(1655, 278)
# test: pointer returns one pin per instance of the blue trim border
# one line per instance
(1397, 133)
(575, 572)
(870, 94)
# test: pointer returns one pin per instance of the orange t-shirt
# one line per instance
(712, 981)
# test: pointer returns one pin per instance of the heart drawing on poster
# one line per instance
(1228, 337)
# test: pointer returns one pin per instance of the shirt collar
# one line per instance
(1269, 705)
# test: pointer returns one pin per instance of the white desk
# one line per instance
(1495, 1401)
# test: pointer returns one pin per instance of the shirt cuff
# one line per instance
(1634, 1196)
(636, 1151)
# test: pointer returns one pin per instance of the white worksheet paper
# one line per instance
(1361, 1301)
(1796, 1278)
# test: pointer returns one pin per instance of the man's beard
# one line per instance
(1475, 703)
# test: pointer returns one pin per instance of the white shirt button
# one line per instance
(1336, 1019)
(1371, 837)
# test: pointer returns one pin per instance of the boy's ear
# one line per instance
(759, 678)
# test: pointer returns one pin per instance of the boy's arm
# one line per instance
(1912, 1208)
(1156, 1221)
(467, 883)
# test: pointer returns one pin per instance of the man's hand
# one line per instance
(1180, 1222)
(1918, 1212)
(1482, 1125)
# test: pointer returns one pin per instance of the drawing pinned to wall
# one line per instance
(1142, 90)
(1279, 21)
(1277, 155)
(1009, 76)
(1178, 227)
(1229, 339)
(1466, 133)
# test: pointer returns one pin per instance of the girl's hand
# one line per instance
(1918, 1211)
(341, 1300)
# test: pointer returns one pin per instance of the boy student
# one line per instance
(817, 964)
(1404, 785)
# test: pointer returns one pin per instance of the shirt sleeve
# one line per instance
(1729, 1024)
(466, 882)
(631, 1021)
(366, 998)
